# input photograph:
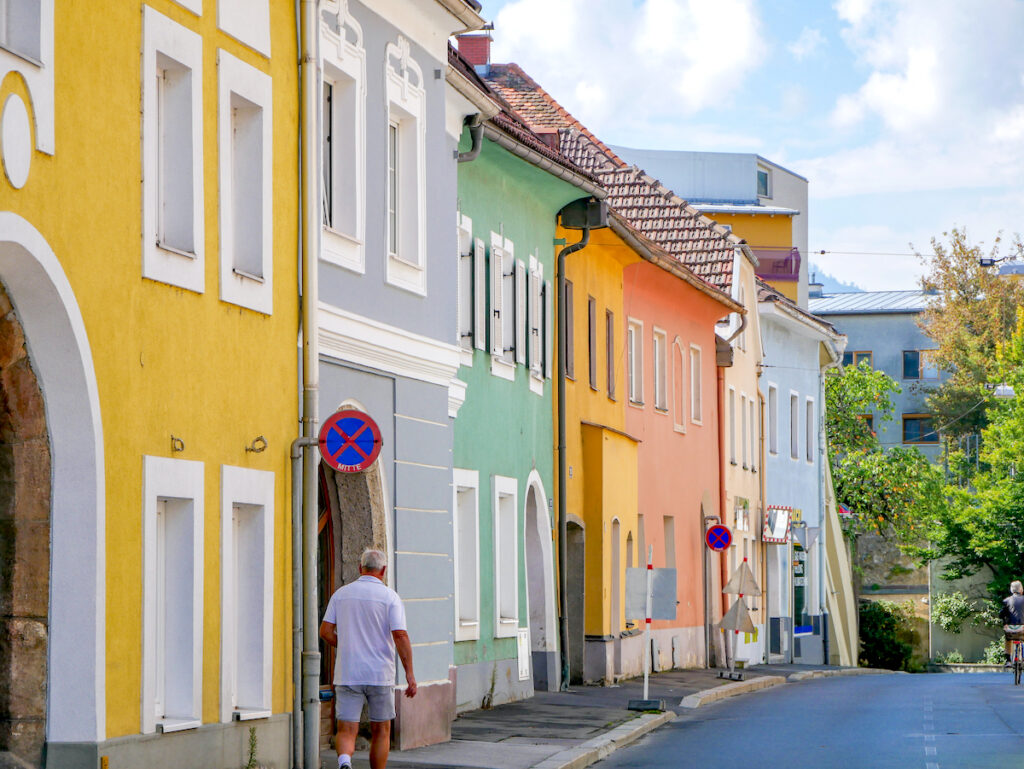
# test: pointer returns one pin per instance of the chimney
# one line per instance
(815, 290)
(476, 49)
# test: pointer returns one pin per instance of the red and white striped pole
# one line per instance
(647, 624)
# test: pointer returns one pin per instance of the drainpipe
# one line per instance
(762, 487)
(563, 595)
(310, 236)
(720, 395)
(297, 742)
(475, 124)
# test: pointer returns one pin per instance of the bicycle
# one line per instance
(1016, 635)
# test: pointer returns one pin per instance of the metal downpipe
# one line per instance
(563, 596)
(475, 124)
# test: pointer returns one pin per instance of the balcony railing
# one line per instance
(780, 263)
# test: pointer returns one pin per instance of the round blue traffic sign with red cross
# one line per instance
(350, 441)
(718, 537)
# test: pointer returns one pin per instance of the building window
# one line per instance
(570, 333)
(247, 592)
(548, 301)
(506, 556)
(172, 619)
(535, 311)
(678, 387)
(405, 203)
(467, 554)
(172, 151)
(854, 357)
(794, 426)
(744, 433)
(919, 364)
(641, 542)
(732, 425)
(919, 428)
(592, 340)
(809, 423)
(764, 182)
(609, 351)
(696, 410)
(660, 370)
(755, 409)
(20, 28)
(344, 148)
(246, 192)
(869, 420)
(503, 307)
(670, 541)
(635, 360)
(773, 419)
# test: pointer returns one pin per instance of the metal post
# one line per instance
(647, 624)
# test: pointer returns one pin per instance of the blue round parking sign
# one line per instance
(718, 537)
(350, 441)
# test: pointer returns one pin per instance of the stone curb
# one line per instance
(707, 696)
(598, 748)
(805, 675)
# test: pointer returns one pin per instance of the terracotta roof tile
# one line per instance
(650, 208)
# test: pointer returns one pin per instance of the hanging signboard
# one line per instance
(776, 524)
(350, 441)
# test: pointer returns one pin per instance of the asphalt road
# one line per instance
(947, 721)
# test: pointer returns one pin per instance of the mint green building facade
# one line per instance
(506, 628)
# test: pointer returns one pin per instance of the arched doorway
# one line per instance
(53, 595)
(540, 581)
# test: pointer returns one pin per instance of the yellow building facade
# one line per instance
(148, 231)
(602, 464)
(770, 236)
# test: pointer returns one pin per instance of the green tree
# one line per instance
(971, 311)
(894, 493)
(983, 526)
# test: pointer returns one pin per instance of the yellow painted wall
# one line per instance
(602, 463)
(765, 231)
(168, 361)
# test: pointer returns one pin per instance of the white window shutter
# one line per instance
(497, 285)
(465, 283)
(479, 295)
(549, 328)
(535, 323)
(521, 320)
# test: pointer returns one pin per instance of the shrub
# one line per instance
(950, 610)
(886, 634)
(949, 658)
(994, 653)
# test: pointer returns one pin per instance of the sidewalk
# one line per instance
(570, 730)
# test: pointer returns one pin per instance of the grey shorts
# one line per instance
(348, 702)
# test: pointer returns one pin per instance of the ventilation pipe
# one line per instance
(584, 214)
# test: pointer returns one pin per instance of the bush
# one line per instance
(950, 658)
(886, 634)
(995, 653)
(950, 610)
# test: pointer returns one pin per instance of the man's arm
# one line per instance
(329, 632)
(404, 647)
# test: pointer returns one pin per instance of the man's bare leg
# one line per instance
(345, 738)
(380, 743)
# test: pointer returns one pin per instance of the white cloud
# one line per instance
(809, 42)
(644, 61)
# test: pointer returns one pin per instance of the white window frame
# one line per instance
(178, 480)
(535, 319)
(520, 320)
(255, 489)
(247, 21)
(809, 432)
(468, 628)
(504, 553)
(754, 421)
(731, 416)
(679, 386)
(163, 37)
(794, 425)
(635, 361)
(502, 275)
(773, 418)
(238, 285)
(344, 68)
(768, 173)
(659, 354)
(744, 431)
(38, 75)
(407, 108)
(696, 385)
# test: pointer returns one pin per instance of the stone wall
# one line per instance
(24, 548)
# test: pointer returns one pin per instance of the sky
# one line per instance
(905, 116)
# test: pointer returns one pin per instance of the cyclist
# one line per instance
(1012, 615)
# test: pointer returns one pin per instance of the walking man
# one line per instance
(366, 621)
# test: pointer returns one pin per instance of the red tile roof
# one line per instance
(652, 209)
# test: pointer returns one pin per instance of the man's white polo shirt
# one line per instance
(364, 613)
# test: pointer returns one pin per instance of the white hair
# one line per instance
(1016, 587)
(375, 560)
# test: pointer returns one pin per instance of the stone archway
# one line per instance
(24, 546)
